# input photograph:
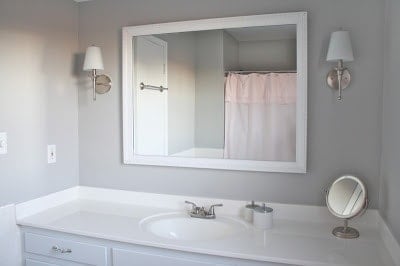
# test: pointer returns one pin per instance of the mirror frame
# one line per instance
(362, 208)
(297, 18)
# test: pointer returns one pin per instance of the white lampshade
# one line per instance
(340, 47)
(93, 59)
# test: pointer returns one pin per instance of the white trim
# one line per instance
(127, 97)
(297, 18)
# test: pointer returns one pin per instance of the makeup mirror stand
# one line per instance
(345, 231)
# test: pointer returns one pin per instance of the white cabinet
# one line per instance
(49, 248)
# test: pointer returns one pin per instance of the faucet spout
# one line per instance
(191, 203)
(212, 211)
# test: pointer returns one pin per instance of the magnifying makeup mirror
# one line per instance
(347, 198)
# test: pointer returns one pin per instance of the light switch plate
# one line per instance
(51, 154)
(3, 143)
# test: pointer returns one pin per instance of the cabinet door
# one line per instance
(132, 258)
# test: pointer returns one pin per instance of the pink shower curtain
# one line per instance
(260, 117)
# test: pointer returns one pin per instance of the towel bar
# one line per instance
(151, 87)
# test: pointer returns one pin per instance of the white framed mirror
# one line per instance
(225, 93)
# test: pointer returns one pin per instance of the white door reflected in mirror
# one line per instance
(151, 116)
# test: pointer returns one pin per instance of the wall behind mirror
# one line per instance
(203, 93)
(334, 147)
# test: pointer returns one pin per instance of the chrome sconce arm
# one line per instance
(339, 78)
(93, 75)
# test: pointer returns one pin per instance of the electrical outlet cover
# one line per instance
(3, 143)
(51, 154)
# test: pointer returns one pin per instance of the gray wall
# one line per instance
(259, 55)
(209, 124)
(276, 55)
(390, 168)
(343, 137)
(231, 52)
(181, 93)
(38, 97)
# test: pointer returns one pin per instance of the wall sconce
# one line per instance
(340, 50)
(94, 62)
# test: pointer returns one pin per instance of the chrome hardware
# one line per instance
(211, 210)
(61, 250)
(193, 204)
(151, 87)
(339, 78)
(200, 212)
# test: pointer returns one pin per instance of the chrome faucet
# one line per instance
(201, 212)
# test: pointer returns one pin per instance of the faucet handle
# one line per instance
(194, 206)
(211, 210)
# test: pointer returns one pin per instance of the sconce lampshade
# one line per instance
(340, 47)
(93, 59)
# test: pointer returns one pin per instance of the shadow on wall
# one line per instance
(83, 81)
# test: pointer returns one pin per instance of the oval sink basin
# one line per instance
(181, 226)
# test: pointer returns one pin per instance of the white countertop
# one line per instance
(291, 241)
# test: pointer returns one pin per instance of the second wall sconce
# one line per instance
(93, 62)
(340, 50)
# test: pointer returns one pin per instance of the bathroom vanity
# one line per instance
(92, 226)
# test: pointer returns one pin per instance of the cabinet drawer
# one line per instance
(132, 258)
(30, 262)
(66, 249)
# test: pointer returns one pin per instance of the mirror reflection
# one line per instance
(346, 197)
(228, 94)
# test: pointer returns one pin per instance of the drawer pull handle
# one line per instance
(61, 250)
